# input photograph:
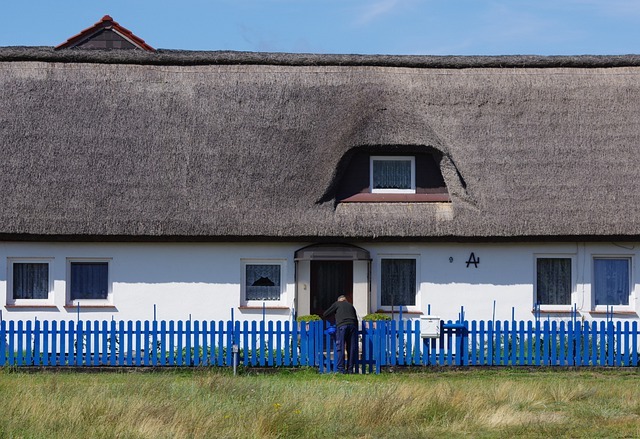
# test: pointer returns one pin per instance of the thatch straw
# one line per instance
(226, 146)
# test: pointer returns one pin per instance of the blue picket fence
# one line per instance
(290, 344)
(514, 343)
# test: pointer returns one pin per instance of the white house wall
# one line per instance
(501, 284)
(198, 281)
(201, 281)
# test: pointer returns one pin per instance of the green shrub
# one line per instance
(376, 316)
(308, 318)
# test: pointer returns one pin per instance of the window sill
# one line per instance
(83, 306)
(31, 306)
(397, 198)
(604, 313)
(553, 311)
(262, 307)
(386, 311)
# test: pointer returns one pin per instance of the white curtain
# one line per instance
(611, 281)
(553, 281)
(262, 282)
(392, 174)
(398, 282)
(30, 280)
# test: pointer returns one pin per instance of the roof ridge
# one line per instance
(194, 58)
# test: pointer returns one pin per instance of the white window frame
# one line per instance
(90, 302)
(408, 308)
(605, 308)
(29, 302)
(412, 159)
(547, 307)
(243, 282)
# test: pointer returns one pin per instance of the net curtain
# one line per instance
(262, 282)
(553, 281)
(398, 282)
(391, 174)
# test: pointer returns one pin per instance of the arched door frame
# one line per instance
(361, 262)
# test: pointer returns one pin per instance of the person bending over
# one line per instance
(346, 333)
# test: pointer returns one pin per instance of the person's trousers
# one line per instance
(347, 339)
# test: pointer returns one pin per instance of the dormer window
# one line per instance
(393, 175)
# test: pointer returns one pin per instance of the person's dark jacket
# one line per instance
(345, 313)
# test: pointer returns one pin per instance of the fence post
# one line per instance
(464, 340)
(196, 343)
(262, 342)
(270, 350)
(295, 336)
(610, 343)
(278, 338)
(137, 337)
(28, 360)
(145, 344)
(3, 342)
(45, 343)
(618, 338)
(602, 343)
(634, 344)
(625, 345)
(380, 342)
(492, 342)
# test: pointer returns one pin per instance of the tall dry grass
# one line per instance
(208, 403)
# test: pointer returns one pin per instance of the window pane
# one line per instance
(611, 281)
(30, 280)
(398, 282)
(89, 280)
(262, 282)
(553, 281)
(392, 174)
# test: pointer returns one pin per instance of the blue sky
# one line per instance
(410, 27)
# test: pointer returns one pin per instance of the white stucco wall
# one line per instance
(202, 280)
(502, 284)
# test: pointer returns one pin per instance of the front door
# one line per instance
(329, 279)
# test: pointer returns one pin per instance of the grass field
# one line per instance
(302, 404)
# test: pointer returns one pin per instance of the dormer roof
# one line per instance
(106, 34)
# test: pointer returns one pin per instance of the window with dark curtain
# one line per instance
(262, 282)
(398, 282)
(30, 280)
(89, 280)
(553, 281)
(611, 284)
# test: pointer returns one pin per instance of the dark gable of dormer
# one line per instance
(105, 39)
(353, 179)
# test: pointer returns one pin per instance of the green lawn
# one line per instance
(302, 404)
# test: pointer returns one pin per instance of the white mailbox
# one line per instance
(429, 326)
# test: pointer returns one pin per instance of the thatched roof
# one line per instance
(226, 146)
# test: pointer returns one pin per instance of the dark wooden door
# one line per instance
(329, 279)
